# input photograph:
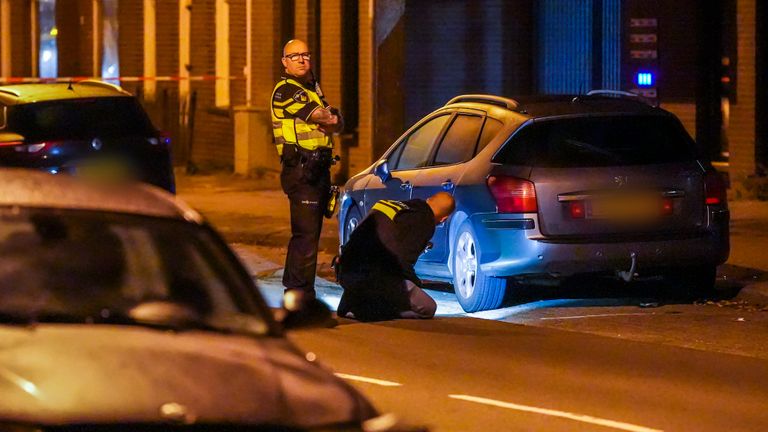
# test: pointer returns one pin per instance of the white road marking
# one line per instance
(554, 413)
(368, 380)
(594, 316)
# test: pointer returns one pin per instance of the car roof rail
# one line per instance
(102, 84)
(610, 92)
(622, 94)
(508, 103)
(10, 92)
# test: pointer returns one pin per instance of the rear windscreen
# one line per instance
(598, 142)
(80, 118)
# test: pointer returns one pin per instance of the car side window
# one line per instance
(459, 142)
(490, 130)
(417, 147)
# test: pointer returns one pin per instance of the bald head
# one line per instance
(295, 45)
(442, 205)
(296, 59)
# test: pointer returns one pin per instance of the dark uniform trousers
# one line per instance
(306, 185)
(377, 294)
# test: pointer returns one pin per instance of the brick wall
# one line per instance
(302, 20)
(131, 41)
(165, 109)
(73, 40)
(331, 62)
(213, 128)
(742, 125)
(686, 112)
(362, 155)
(21, 43)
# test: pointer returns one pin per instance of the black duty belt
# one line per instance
(305, 152)
(311, 159)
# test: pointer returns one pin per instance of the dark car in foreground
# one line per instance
(122, 310)
(87, 128)
(551, 187)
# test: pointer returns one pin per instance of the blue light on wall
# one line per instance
(644, 79)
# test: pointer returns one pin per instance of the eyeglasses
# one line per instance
(295, 56)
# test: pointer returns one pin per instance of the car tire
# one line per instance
(351, 221)
(474, 289)
(692, 282)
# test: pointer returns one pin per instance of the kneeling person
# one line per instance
(376, 265)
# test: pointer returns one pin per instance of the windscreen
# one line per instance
(599, 142)
(80, 119)
(80, 264)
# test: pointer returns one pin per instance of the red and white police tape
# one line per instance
(21, 80)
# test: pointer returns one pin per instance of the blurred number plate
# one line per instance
(634, 207)
(104, 170)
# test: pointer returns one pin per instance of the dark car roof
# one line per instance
(551, 106)
(542, 106)
(31, 93)
(32, 188)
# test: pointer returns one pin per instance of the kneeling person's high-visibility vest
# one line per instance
(292, 105)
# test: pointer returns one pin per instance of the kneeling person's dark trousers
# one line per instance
(371, 296)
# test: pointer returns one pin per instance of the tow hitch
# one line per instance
(628, 275)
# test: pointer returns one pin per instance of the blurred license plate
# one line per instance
(632, 207)
(104, 170)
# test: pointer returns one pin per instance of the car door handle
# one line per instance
(448, 185)
(406, 186)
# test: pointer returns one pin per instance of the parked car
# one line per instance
(87, 128)
(550, 187)
(121, 309)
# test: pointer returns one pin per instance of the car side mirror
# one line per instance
(164, 313)
(381, 170)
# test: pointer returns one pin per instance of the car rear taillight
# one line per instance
(10, 143)
(513, 195)
(714, 187)
(667, 207)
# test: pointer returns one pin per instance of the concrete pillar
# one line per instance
(362, 155)
(254, 150)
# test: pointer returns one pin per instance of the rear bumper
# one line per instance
(518, 251)
(157, 172)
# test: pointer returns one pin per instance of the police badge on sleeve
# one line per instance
(301, 96)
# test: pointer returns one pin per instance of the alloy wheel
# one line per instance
(466, 265)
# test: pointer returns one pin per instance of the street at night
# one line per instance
(594, 355)
(383, 215)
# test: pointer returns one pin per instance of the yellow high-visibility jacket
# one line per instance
(292, 105)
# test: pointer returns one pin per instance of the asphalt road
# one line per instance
(466, 374)
(587, 356)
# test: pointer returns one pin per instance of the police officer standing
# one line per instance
(302, 123)
(376, 264)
